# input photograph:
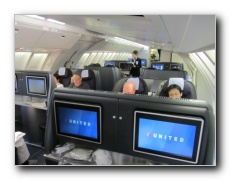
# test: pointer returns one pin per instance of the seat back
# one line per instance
(65, 76)
(88, 77)
(140, 84)
(106, 77)
(189, 91)
(153, 86)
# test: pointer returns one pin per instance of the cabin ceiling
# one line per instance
(176, 33)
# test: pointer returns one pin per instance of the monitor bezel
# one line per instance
(188, 120)
(126, 64)
(79, 137)
(36, 77)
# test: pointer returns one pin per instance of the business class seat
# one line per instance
(189, 91)
(106, 77)
(153, 86)
(65, 76)
(140, 84)
(88, 77)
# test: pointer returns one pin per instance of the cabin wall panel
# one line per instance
(50, 60)
(182, 58)
(197, 73)
(71, 56)
(165, 56)
(209, 78)
(21, 60)
(102, 59)
(96, 59)
(37, 61)
(202, 90)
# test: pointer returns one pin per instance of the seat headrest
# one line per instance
(187, 92)
(86, 75)
(178, 81)
(136, 81)
(62, 71)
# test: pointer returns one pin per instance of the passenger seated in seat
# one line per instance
(129, 88)
(57, 79)
(77, 82)
(174, 91)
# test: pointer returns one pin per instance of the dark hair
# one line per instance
(78, 73)
(135, 52)
(173, 86)
(57, 76)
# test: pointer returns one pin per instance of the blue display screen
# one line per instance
(170, 136)
(143, 62)
(78, 121)
(167, 137)
(178, 67)
(158, 66)
(109, 63)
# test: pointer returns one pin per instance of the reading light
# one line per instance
(55, 21)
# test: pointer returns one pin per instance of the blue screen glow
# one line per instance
(168, 137)
(143, 62)
(158, 66)
(78, 122)
(110, 63)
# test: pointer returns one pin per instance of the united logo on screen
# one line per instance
(78, 121)
(166, 137)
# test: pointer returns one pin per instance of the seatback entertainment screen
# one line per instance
(36, 85)
(78, 121)
(158, 66)
(170, 136)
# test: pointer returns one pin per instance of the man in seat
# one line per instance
(174, 91)
(77, 82)
(129, 88)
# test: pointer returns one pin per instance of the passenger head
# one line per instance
(56, 78)
(174, 91)
(135, 54)
(129, 88)
(77, 79)
(98, 64)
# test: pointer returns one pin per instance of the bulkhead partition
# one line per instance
(122, 123)
(163, 74)
(32, 93)
(167, 66)
(34, 83)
